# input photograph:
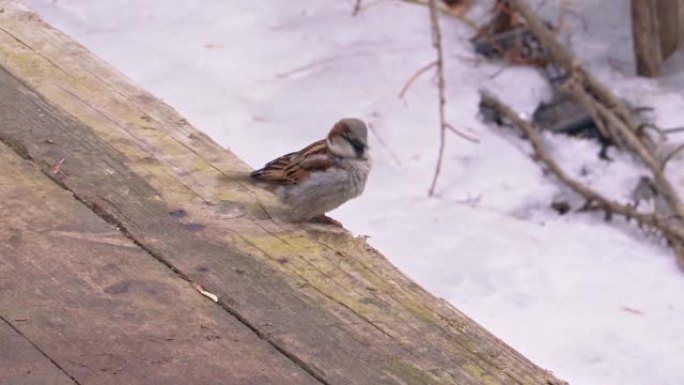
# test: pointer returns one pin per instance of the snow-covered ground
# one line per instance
(594, 302)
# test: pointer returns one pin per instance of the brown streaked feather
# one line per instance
(294, 167)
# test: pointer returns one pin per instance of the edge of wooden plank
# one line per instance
(25, 364)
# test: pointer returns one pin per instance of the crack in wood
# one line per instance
(38, 348)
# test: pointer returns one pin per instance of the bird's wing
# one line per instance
(295, 167)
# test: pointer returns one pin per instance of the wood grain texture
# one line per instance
(327, 301)
(22, 364)
(102, 308)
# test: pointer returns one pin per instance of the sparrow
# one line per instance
(323, 175)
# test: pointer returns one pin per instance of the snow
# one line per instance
(595, 302)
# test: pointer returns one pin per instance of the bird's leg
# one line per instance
(326, 220)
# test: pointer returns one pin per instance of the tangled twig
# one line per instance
(616, 121)
(671, 227)
(669, 156)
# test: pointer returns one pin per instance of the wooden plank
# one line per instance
(102, 308)
(326, 300)
(255, 292)
(22, 364)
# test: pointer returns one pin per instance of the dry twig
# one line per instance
(437, 44)
(671, 227)
(667, 158)
(441, 85)
(462, 134)
(673, 130)
(614, 118)
(414, 77)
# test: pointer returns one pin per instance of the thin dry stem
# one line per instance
(415, 77)
(437, 44)
(669, 156)
(441, 85)
(461, 134)
(674, 130)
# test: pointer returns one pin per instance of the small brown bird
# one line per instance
(323, 175)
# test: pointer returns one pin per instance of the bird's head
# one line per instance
(349, 139)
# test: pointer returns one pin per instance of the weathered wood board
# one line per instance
(102, 308)
(324, 300)
(22, 364)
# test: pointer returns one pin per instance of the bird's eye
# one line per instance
(358, 145)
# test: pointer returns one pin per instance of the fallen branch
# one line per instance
(671, 227)
(565, 60)
(613, 118)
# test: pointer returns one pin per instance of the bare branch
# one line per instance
(462, 134)
(671, 227)
(437, 44)
(643, 127)
(414, 77)
(669, 156)
(673, 130)
(608, 111)
(441, 84)
(565, 60)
